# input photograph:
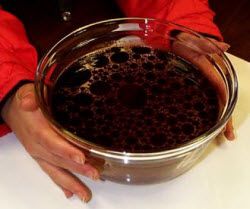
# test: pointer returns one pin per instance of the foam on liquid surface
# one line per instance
(134, 99)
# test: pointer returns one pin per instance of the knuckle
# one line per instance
(75, 186)
(39, 133)
(42, 138)
(31, 150)
(54, 174)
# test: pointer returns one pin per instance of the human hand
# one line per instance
(194, 50)
(55, 155)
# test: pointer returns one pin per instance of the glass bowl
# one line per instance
(140, 168)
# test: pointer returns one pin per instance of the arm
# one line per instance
(17, 61)
(194, 14)
(19, 110)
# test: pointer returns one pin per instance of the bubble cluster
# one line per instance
(134, 99)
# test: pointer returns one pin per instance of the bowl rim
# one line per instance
(129, 156)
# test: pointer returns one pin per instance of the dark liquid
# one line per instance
(134, 99)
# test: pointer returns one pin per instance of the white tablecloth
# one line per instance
(220, 181)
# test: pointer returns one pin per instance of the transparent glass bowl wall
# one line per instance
(140, 168)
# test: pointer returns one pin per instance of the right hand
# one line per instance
(55, 155)
(194, 49)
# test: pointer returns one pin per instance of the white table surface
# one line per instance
(220, 181)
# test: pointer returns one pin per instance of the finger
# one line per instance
(66, 180)
(26, 97)
(67, 193)
(87, 169)
(205, 66)
(222, 45)
(229, 130)
(200, 45)
(45, 135)
(55, 144)
(51, 141)
(214, 77)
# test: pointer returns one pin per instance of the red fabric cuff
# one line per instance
(208, 29)
(13, 75)
(4, 129)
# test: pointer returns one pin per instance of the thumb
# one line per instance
(26, 98)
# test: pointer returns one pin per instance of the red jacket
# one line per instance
(18, 58)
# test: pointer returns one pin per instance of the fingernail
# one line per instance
(93, 175)
(230, 136)
(78, 159)
(68, 195)
(226, 46)
(83, 198)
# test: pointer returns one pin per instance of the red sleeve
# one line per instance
(194, 14)
(18, 59)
